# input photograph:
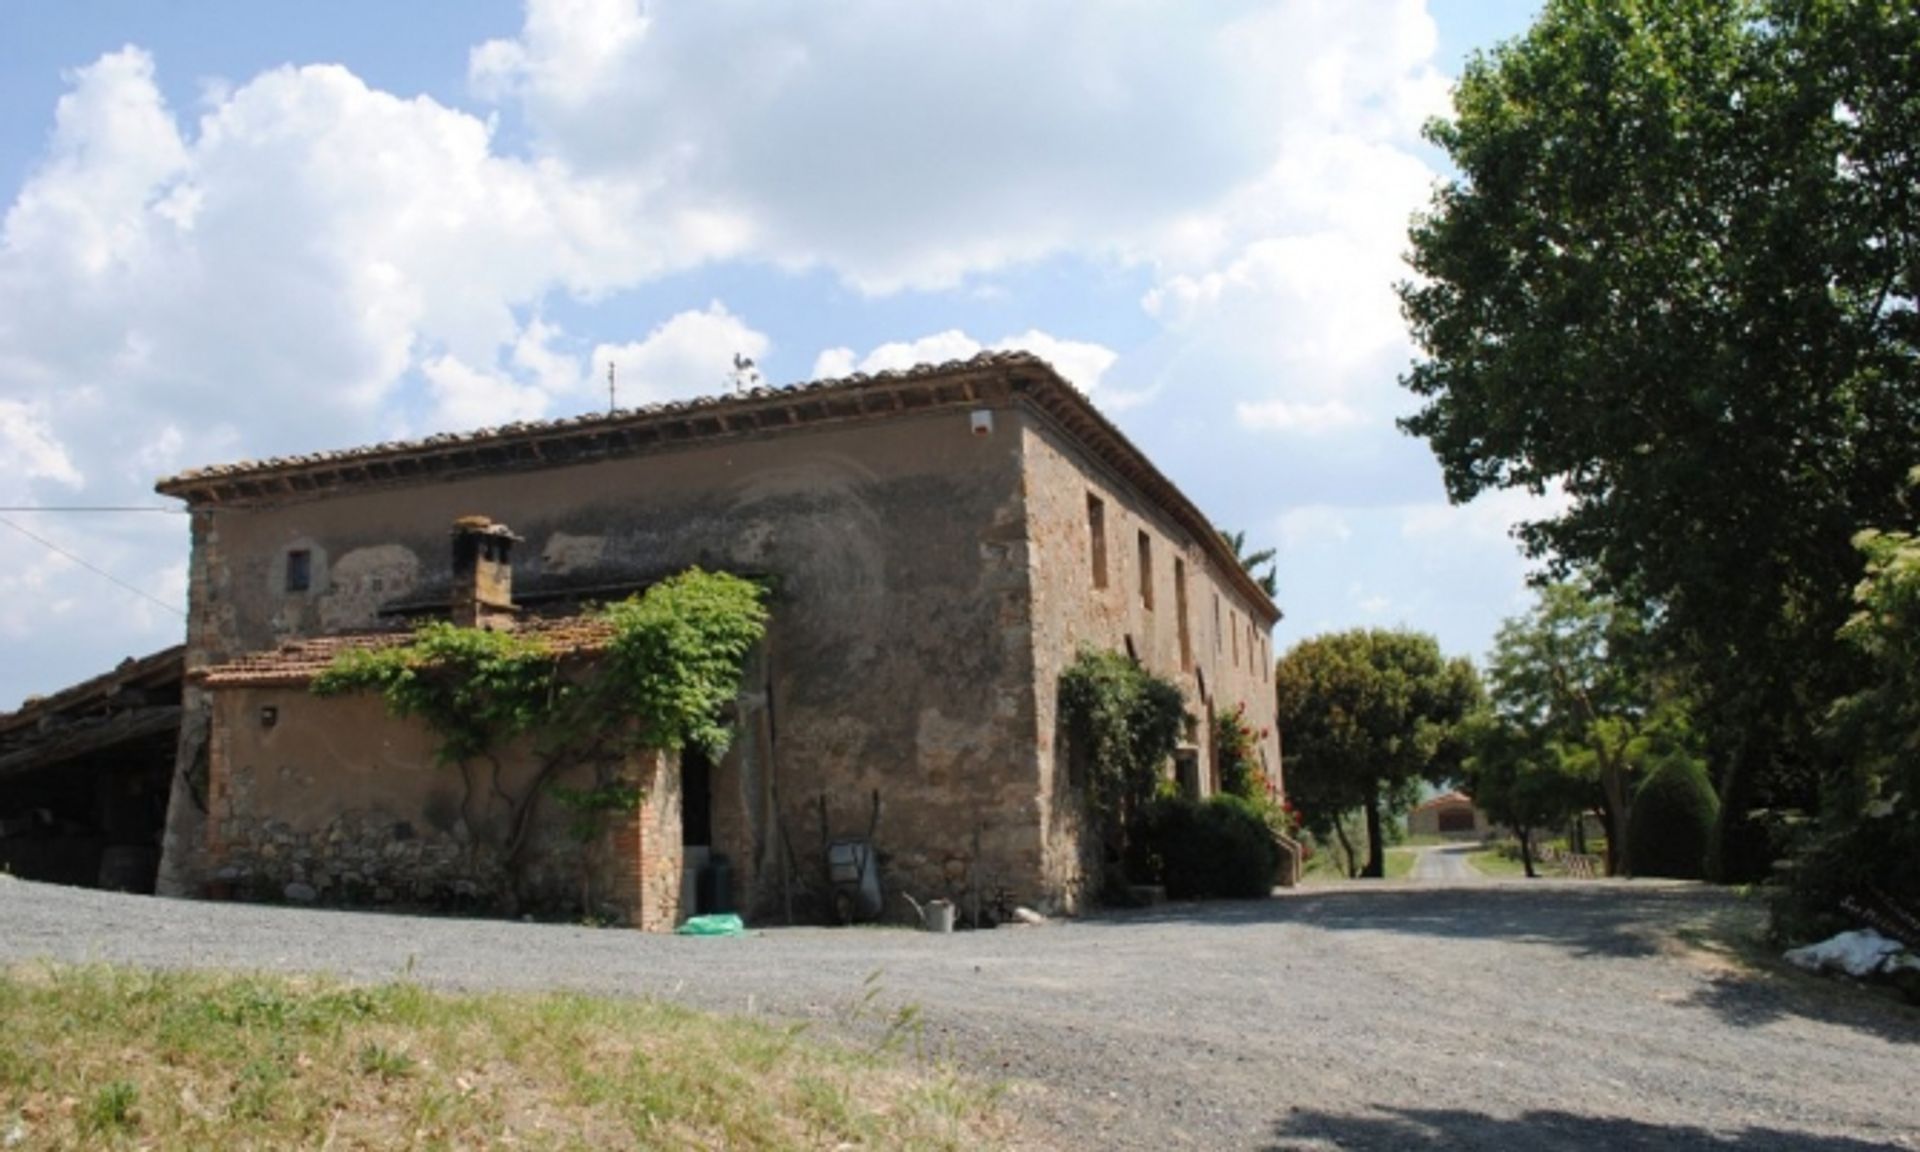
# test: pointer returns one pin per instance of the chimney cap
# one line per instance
(482, 526)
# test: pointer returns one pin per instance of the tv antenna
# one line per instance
(612, 397)
(745, 375)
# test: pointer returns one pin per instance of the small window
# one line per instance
(1146, 571)
(1180, 612)
(1218, 643)
(1097, 534)
(1266, 662)
(299, 570)
(1233, 618)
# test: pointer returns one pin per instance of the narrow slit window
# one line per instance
(1097, 535)
(1233, 618)
(1218, 643)
(1180, 611)
(299, 570)
(1146, 571)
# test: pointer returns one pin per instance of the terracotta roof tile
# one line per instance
(1454, 797)
(299, 661)
(241, 468)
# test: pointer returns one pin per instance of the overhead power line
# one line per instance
(92, 508)
(93, 568)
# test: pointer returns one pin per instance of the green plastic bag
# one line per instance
(724, 924)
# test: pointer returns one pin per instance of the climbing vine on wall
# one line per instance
(672, 664)
(1236, 748)
(664, 677)
(1123, 722)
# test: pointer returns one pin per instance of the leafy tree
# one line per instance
(1675, 280)
(1269, 578)
(1866, 854)
(1367, 714)
(1571, 675)
(1521, 779)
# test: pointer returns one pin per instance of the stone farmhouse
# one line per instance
(939, 543)
(1453, 815)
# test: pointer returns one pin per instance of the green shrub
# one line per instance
(1122, 725)
(1218, 847)
(1672, 825)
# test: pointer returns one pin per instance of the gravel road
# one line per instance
(1544, 1015)
(1446, 862)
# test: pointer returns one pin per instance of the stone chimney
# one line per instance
(483, 574)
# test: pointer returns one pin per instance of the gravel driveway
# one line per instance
(1512, 1015)
(1444, 862)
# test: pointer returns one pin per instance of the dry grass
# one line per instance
(108, 1057)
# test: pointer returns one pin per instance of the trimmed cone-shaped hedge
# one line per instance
(1672, 823)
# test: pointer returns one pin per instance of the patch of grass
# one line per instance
(1322, 869)
(111, 1057)
(1400, 863)
(110, 1109)
(1493, 862)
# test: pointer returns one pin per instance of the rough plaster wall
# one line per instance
(351, 803)
(210, 625)
(1069, 612)
(898, 551)
(359, 582)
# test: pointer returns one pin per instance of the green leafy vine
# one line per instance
(663, 678)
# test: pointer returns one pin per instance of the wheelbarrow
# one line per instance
(853, 869)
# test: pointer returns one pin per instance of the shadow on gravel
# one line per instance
(1756, 999)
(1536, 1131)
(1611, 919)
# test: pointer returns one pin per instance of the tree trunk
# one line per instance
(1577, 836)
(1526, 851)
(1376, 853)
(1613, 783)
(1346, 846)
(1614, 802)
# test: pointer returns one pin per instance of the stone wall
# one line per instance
(336, 802)
(1226, 660)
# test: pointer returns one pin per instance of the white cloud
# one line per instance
(1083, 364)
(1490, 517)
(28, 450)
(916, 150)
(465, 397)
(1314, 524)
(1288, 416)
(689, 355)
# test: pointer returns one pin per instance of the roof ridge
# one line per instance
(612, 418)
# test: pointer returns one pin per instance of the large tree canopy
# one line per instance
(1366, 714)
(1675, 280)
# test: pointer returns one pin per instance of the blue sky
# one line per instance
(235, 229)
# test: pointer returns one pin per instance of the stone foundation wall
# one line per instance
(341, 804)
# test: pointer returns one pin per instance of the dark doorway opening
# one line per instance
(1454, 821)
(696, 798)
